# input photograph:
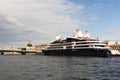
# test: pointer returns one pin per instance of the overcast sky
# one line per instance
(41, 20)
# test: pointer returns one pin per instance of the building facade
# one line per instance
(114, 45)
(40, 47)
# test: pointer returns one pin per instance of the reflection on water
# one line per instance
(37, 67)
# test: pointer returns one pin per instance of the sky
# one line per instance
(40, 21)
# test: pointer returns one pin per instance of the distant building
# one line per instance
(40, 47)
(114, 45)
(29, 44)
(28, 47)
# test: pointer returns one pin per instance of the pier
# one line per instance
(23, 52)
(28, 49)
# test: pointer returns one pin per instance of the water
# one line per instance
(37, 67)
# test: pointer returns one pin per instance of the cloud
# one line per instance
(112, 31)
(99, 6)
(94, 18)
(111, 34)
(37, 20)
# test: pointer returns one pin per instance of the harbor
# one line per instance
(37, 49)
(59, 40)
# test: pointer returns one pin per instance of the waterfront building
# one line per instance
(29, 44)
(40, 47)
(114, 45)
(28, 47)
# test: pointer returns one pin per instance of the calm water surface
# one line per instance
(37, 67)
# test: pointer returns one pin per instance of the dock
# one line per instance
(16, 51)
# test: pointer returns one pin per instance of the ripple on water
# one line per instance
(37, 67)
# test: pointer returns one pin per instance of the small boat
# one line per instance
(115, 53)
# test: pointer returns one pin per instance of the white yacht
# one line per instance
(77, 45)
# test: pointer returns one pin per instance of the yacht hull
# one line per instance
(79, 52)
